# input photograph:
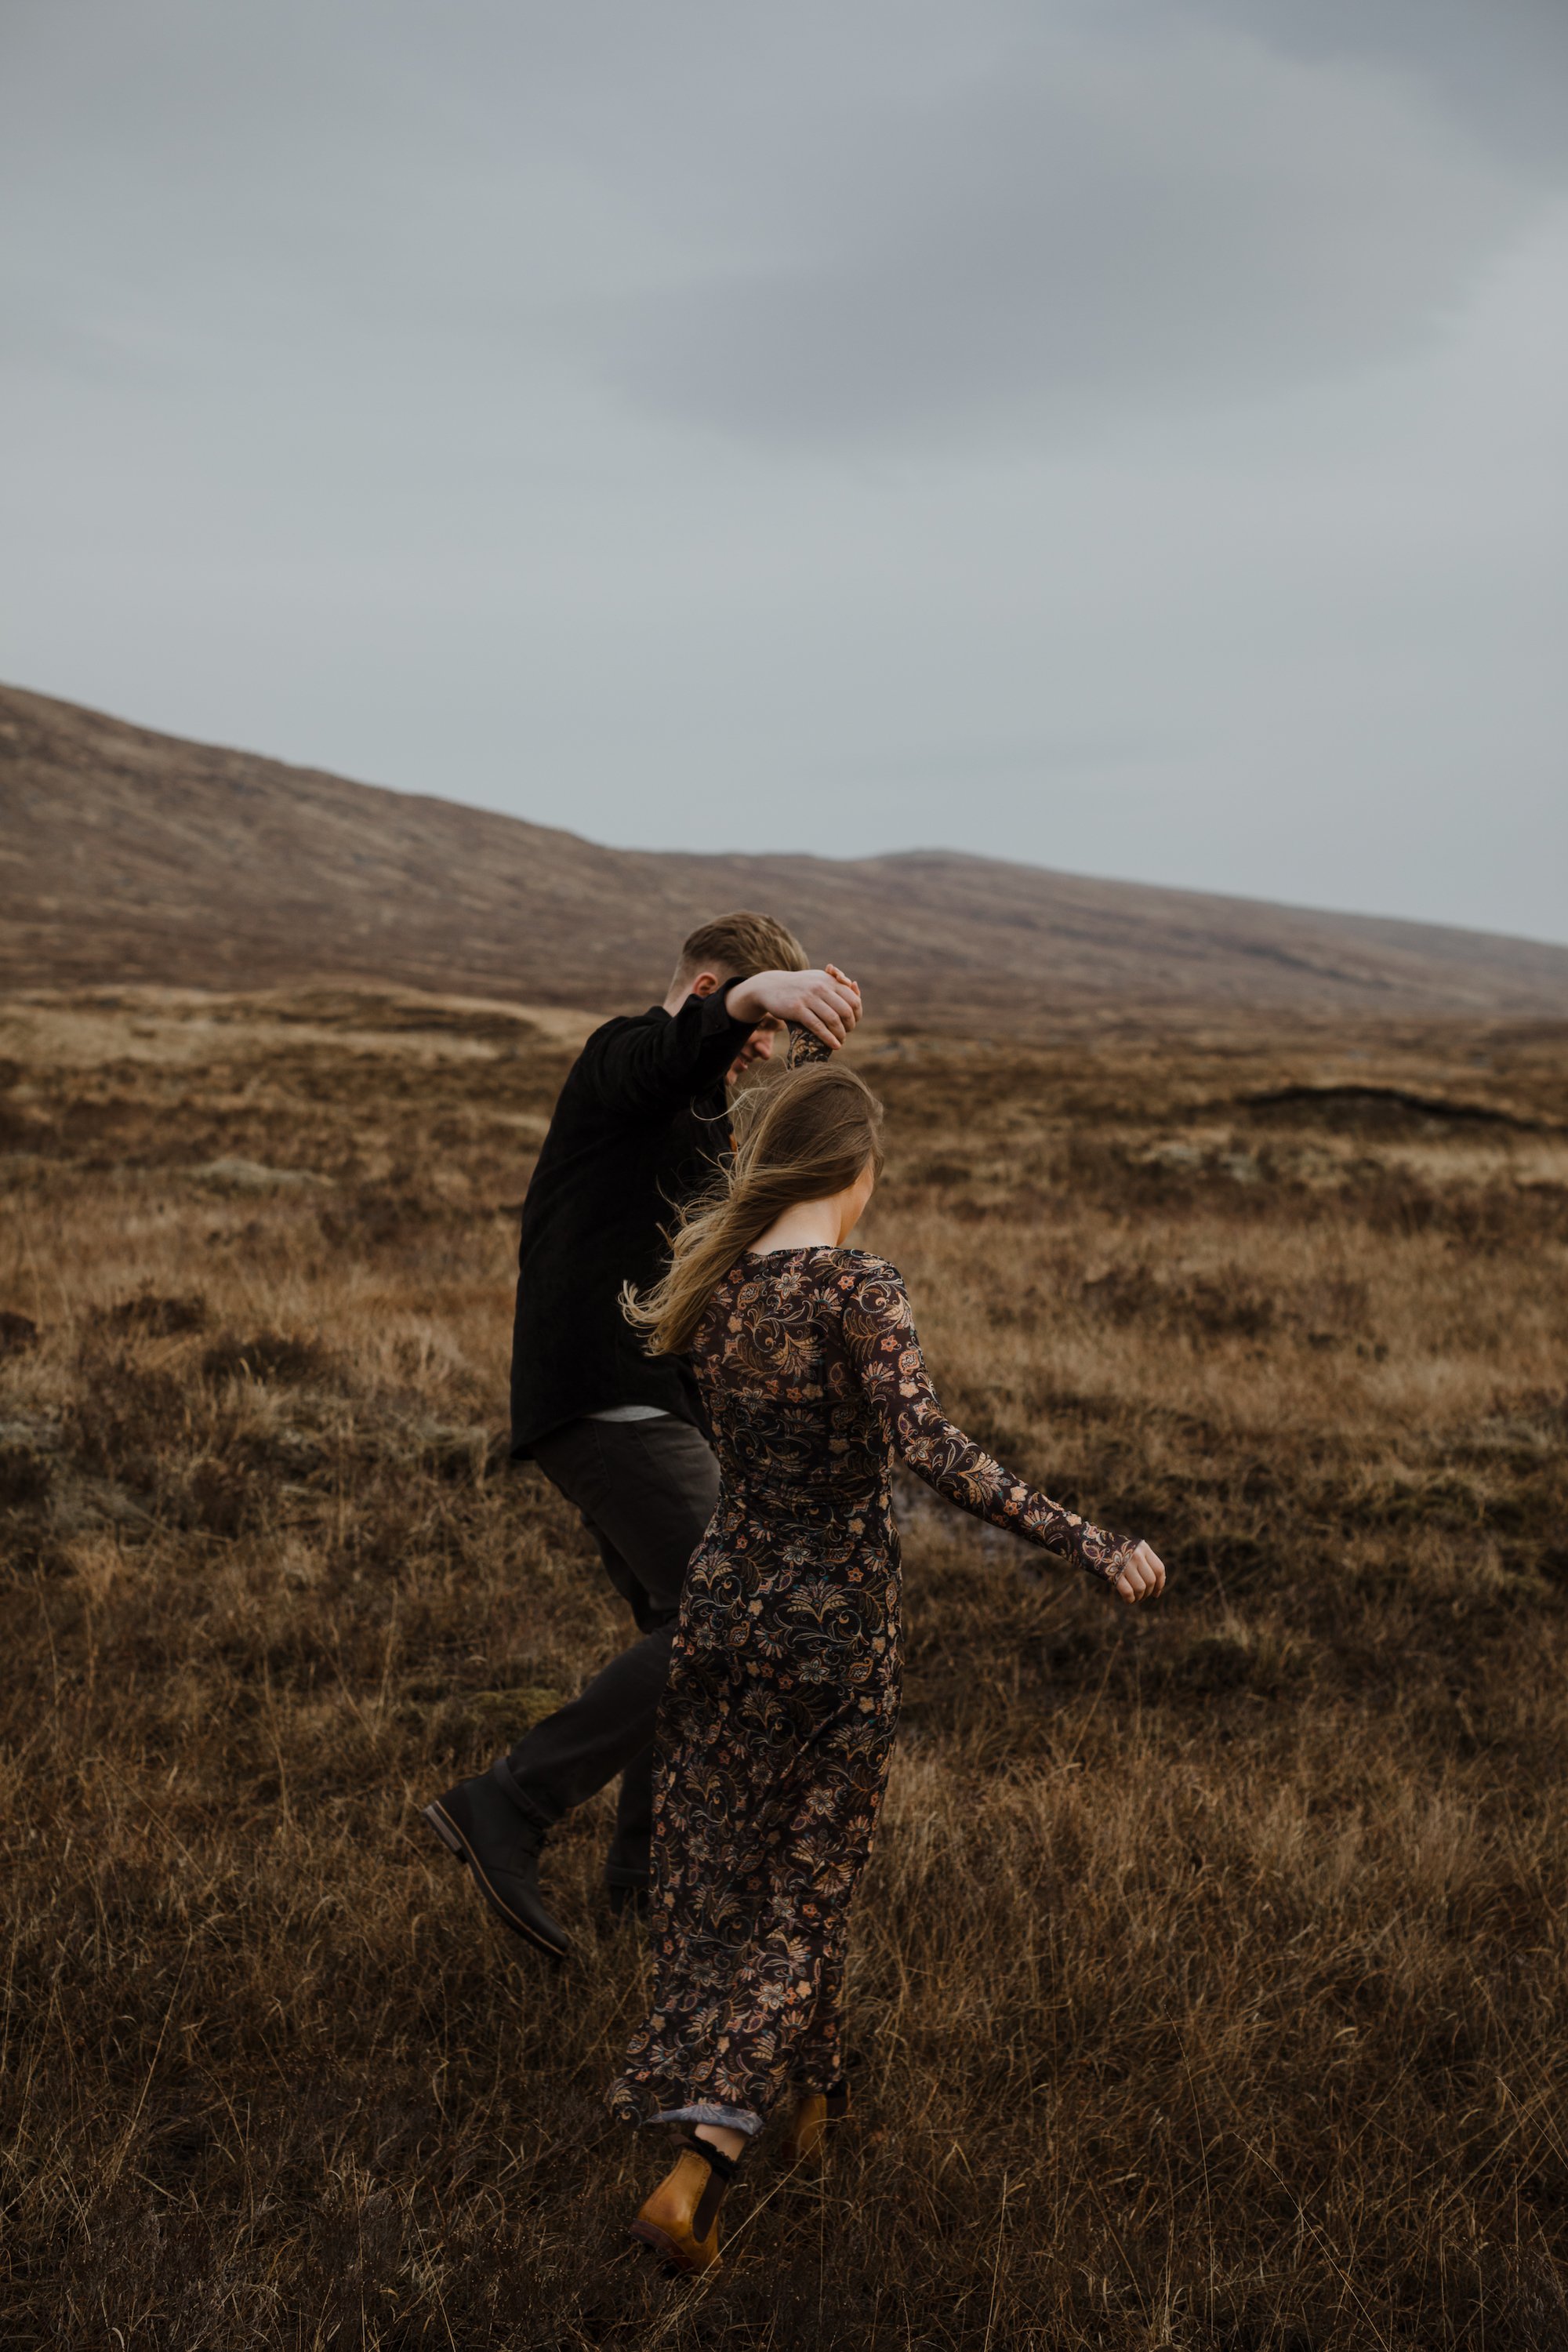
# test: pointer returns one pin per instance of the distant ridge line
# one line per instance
(128, 856)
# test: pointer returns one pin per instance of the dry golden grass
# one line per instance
(1209, 1982)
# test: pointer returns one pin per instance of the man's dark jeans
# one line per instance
(647, 1491)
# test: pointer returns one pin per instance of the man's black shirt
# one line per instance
(640, 1126)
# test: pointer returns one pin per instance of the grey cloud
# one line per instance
(1124, 433)
(1086, 227)
(807, 225)
(1498, 67)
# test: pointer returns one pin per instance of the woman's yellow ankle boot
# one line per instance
(680, 2219)
(806, 2133)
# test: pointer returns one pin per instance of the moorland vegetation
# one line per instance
(1209, 1984)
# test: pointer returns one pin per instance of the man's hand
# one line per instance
(826, 1003)
(1144, 1576)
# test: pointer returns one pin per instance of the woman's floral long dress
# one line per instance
(774, 1733)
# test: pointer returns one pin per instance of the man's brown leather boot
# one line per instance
(482, 1826)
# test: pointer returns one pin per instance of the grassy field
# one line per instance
(1209, 1983)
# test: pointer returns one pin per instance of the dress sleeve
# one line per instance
(885, 1352)
(806, 1045)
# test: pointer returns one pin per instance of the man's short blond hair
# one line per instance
(735, 946)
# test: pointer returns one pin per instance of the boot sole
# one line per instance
(456, 1843)
(648, 2234)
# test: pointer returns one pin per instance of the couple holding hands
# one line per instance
(720, 1383)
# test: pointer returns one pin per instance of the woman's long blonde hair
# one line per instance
(801, 1137)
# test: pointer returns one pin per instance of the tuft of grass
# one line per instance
(1208, 1987)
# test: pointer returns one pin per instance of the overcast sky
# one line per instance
(1125, 435)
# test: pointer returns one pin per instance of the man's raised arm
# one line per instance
(647, 1068)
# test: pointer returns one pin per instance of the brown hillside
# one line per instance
(128, 855)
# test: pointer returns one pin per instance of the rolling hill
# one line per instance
(127, 855)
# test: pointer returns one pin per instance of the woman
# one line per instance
(774, 1731)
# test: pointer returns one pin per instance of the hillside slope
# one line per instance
(129, 855)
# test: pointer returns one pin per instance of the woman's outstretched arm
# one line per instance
(882, 1346)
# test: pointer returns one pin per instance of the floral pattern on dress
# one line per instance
(776, 1725)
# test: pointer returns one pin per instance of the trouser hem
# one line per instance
(539, 1816)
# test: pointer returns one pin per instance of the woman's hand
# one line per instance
(1144, 1576)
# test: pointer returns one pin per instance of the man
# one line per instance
(640, 1126)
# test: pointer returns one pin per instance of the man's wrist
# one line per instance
(740, 1001)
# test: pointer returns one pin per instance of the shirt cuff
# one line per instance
(716, 1015)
